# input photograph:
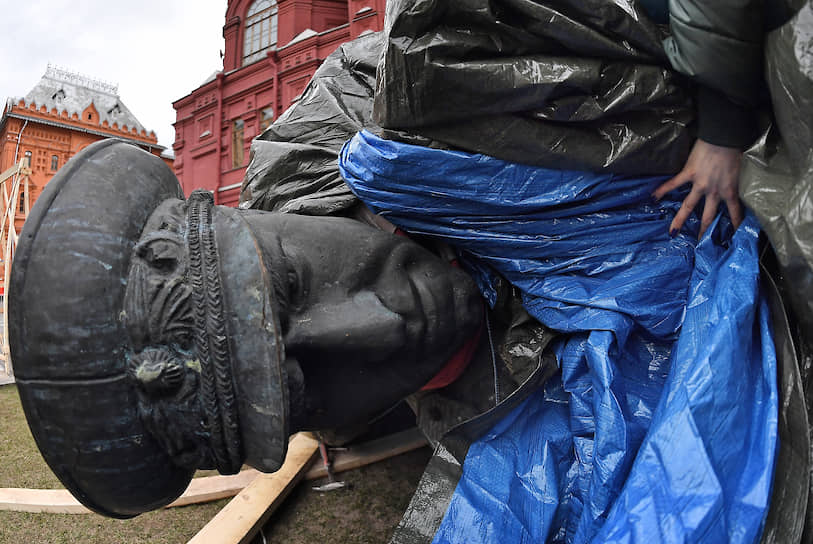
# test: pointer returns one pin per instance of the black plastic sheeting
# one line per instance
(790, 513)
(777, 176)
(585, 86)
(523, 364)
(776, 182)
(293, 164)
(568, 85)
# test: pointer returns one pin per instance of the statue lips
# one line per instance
(402, 288)
(441, 306)
(420, 328)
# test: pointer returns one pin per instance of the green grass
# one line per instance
(166, 526)
(21, 464)
(367, 512)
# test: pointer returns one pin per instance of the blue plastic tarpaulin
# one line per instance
(662, 425)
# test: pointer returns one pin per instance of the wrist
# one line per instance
(722, 122)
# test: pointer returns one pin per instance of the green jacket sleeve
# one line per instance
(718, 44)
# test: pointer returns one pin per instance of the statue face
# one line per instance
(370, 317)
(366, 318)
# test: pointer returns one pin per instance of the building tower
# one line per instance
(273, 47)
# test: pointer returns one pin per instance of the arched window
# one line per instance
(260, 30)
(54, 163)
(28, 159)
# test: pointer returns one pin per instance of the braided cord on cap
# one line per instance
(211, 341)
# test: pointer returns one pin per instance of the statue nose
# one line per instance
(358, 325)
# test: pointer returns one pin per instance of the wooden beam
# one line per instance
(60, 501)
(212, 488)
(9, 248)
(239, 521)
(26, 197)
(371, 452)
(52, 501)
(10, 172)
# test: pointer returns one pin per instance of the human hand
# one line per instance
(714, 172)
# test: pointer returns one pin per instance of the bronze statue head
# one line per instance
(153, 335)
(130, 373)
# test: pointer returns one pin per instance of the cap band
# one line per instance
(211, 341)
(181, 360)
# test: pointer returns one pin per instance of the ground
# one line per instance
(366, 512)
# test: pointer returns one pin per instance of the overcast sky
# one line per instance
(157, 51)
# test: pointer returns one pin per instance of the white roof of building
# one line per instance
(73, 92)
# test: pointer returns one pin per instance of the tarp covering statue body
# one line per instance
(294, 169)
(593, 451)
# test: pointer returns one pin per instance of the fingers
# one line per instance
(683, 177)
(689, 203)
(714, 173)
(734, 211)
(709, 212)
(710, 208)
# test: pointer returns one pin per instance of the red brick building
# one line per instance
(64, 113)
(272, 50)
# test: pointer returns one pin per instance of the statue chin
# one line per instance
(219, 331)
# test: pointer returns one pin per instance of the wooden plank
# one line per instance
(8, 254)
(371, 452)
(10, 172)
(26, 197)
(60, 501)
(238, 521)
(53, 501)
(211, 488)
(8, 213)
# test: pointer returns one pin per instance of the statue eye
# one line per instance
(161, 253)
(163, 265)
(293, 284)
(296, 280)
